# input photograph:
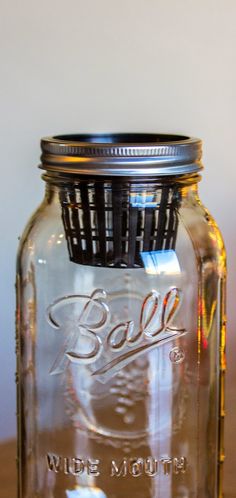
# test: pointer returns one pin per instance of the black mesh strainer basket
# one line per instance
(107, 224)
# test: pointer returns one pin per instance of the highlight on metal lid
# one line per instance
(122, 154)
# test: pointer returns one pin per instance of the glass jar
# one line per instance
(121, 324)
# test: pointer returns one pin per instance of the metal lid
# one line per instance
(122, 154)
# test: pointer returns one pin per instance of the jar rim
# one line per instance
(122, 154)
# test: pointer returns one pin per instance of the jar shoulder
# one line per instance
(44, 234)
(204, 233)
(44, 223)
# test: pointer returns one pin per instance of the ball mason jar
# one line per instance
(121, 324)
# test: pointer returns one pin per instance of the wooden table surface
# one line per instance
(8, 454)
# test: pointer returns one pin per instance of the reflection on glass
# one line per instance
(85, 492)
(142, 200)
(161, 262)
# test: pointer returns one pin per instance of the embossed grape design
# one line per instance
(129, 387)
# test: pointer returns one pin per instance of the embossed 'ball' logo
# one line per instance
(107, 347)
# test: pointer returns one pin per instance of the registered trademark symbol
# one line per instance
(177, 355)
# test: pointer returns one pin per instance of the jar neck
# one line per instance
(183, 193)
(185, 184)
(144, 194)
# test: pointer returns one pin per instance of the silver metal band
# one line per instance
(122, 154)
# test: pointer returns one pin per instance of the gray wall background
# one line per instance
(141, 65)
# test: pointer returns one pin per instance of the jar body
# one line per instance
(121, 367)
